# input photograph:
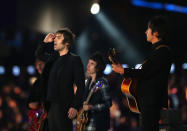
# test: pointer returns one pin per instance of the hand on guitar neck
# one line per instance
(118, 68)
(87, 107)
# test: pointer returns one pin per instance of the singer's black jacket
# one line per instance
(58, 77)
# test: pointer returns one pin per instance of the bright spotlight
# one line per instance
(172, 69)
(95, 8)
(31, 69)
(16, 70)
(108, 69)
(138, 66)
(2, 70)
(184, 66)
(125, 66)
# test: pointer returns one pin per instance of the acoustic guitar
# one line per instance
(82, 116)
(128, 85)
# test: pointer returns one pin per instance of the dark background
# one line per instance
(24, 24)
(120, 24)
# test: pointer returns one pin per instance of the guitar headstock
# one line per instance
(98, 85)
(112, 55)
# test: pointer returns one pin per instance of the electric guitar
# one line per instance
(128, 85)
(82, 116)
(36, 119)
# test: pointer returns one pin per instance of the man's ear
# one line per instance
(155, 33)
(67, 44)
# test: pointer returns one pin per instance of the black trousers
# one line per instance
(149, 119)
(58, 118)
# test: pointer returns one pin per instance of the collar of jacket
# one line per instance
(154, 46)
(68, 53)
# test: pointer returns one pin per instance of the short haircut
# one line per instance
(100, 63)
(68, 36)
(158, 24)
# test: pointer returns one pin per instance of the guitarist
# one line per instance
(100, 102)
(153, 76)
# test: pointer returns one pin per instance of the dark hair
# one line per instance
(100, 63)
(158, 24)
(68, 36)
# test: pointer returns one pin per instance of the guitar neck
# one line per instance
(96, 86)
(113, 60)
(87, 99)
(89, 96)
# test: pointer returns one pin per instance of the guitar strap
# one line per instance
(160, 46)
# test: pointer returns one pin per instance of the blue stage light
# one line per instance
(2, 70)
(31, 70)
(108, 69)
(159, 6)
(16, 70)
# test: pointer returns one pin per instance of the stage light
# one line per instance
(16, 70)
(32, 80)
(184, 66)
(138, 66)
(95, 8)
(160, 6)
(131, 54)
(2, 70)
(82, 46)
(108, 69)
(49, 19)
(125, 66)
(172, 69)
(30, 69)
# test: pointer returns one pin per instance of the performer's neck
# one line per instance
(155, 40)
(93, 76)
(63, 52)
